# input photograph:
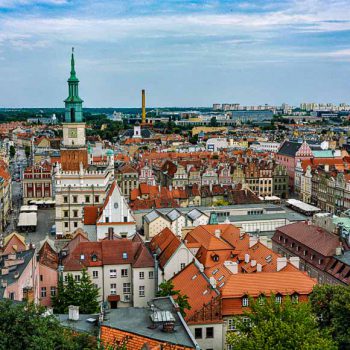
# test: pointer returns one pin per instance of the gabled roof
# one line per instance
(312, 236)
(289, 148)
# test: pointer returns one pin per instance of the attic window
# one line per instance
(125, 255)
(215, 271)
(82, 257)
(220, 278)
(268, 258)
(93, 257)
(215, 257)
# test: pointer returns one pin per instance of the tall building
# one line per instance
(79, 181)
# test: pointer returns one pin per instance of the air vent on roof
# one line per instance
(268, 258)
(221, 285)
(205, 292)
(220, 278)
(194, 277)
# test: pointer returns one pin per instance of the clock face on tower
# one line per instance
(72, 132)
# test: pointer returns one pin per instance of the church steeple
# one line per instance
(73, 103)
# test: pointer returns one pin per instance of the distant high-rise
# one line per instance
(143, 106)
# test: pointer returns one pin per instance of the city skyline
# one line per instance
(184, 53)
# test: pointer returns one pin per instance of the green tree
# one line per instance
(286, 326)
(12, 151)
(166, 288)
(81, 293)
(23, 326)
(27, 151)
(331, 305)
(213, 122)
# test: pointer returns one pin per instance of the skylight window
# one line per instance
(125, 255)
(215, 271)
(220, 278)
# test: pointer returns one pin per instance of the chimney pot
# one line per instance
(258, 268)
(246, 258)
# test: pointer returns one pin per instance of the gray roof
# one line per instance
(10, 278)
(82, 325)
(138, 321)
(151, 216)
(289, 148)
(194, 214)
(173, 215)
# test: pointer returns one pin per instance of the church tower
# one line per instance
(73, 150)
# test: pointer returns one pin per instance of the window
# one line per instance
(66, 224)
(320, 261)
(209, 332)
(75, 199)
(12, 296)
(66, 278)
(124, 272)
(77, 278)
(261, 300)
(182, 266)
(41, 278)
(295, 298)
(125, 219)
(198, 333)
(245, 301)
(125, 255)
(113, 273)
(126, 288)
(75, 213)
(142, 275)
(141, 291)
(65, 199)
(278, 299)
(82, 257)
(65, 213)
(43, 292)
(53, 291)
(231, 326)
(113, 288)
(95, 274)
(151, 275)
(97, 199)
(87, 199)
(75, 224)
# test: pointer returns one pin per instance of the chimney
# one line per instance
(253, 263)
(73, 313)
(263, 240)
(5, 271)
(295, 261)
(3, 283)
(246, 258)
(253, 240)
(232, 266)
(212, 282)
(201, 267)
(281, 263)
(258, 268)
(338, 251)
(110, 233)
(217, 233)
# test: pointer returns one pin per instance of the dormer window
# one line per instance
(82, 257)
(125, 255)
(245, 301)
(278, 299)
(215, 257)
(94, 257)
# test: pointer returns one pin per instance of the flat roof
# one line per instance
(28, 219)
(137, 320)
(302, 205)
(264, 217)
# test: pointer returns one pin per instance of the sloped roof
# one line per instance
(312, 236)
(289, 148)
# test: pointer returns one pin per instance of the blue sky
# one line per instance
(183, 52)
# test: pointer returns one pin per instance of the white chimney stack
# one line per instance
(295, 261)
(281, 263)
(263, 240)
(258, 268)
(246, 258)
(253, 240)
(253, 263)
(232, 266)
(217, 233)
(73, 313)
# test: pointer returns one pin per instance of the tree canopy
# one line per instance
(81, 293)
(279, 326)
(166, 288)
(331, 305)
(23, 326)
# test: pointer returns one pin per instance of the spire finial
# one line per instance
(72, 64)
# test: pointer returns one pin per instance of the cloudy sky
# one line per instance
(183, 52)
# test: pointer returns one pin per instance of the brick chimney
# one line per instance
(110, 233)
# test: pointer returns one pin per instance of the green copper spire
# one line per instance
(73, 103)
